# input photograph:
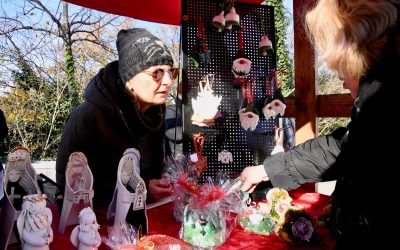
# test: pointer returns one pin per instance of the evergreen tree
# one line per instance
(284, 63)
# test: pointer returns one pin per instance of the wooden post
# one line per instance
(304, 67)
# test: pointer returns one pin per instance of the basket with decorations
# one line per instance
(211, 213)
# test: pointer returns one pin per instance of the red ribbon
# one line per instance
(240, 39)
(247, 91)
(201, 30)
(198, 143)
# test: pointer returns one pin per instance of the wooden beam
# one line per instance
(290, 110)
(337, 105)
(304, 68)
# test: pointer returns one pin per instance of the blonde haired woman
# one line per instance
(360, 40)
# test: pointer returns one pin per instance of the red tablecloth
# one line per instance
(161, 221)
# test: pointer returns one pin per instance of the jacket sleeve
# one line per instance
(306, 162)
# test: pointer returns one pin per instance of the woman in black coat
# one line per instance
(360, 40)
(124, 108)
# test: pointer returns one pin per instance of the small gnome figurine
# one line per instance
(34, 223)
(86, 235)
(241, 63)
(265, 46)
(232, 19)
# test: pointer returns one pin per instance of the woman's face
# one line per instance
(350, 84)
(14, 175)
(148, 91)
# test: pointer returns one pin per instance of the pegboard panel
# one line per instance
(247, 147)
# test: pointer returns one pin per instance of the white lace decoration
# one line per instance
(205, 106)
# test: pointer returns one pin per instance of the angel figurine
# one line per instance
(86, 235)
(20, 176)
(129, 201)
(78, 190)
(34, 223)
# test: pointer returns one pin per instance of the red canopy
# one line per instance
(158, 11)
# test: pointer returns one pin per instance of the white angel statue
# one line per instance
(86, 235)
(34, 223)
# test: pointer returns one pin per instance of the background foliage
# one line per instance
(49, 50)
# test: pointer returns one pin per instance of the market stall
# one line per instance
(162, 221)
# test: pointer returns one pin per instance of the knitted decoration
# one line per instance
(274, 104)
(241, 64)
(248, 114)
(265, 46)
(200, 54)
(218, 22)
(232, 19)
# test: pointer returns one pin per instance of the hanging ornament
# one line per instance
(198, 144)
(225, 157)
(232, 19)
(218, 22)
(205, 106)
(276, 105)
(248, 114)
(265, 44)
(241, 64)
(200, 54)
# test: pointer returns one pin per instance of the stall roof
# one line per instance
(158, 11)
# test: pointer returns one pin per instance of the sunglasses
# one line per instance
(158, 74)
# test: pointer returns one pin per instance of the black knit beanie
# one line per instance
(138, 49)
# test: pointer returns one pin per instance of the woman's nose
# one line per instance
(166, 79)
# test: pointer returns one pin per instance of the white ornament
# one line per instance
(86, 235)
(273, 109)
(34, 223)
(19, 169)
(205, 106)
(225, 157)
(128, 179)
(248, 120)
(241, 67)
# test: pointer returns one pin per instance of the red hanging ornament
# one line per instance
(241, 64)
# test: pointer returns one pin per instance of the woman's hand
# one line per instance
(158, 189)
(251, 176)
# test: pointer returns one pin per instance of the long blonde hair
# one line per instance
(349, 35)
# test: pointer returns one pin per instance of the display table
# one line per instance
(162, 221)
